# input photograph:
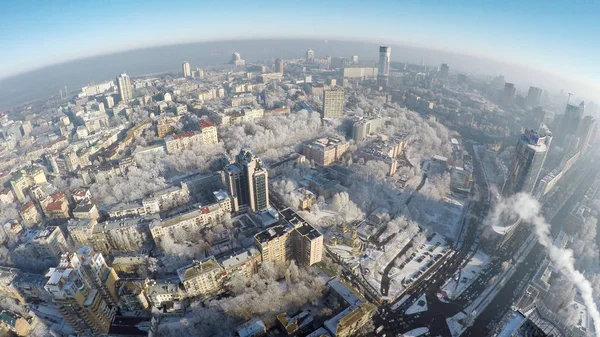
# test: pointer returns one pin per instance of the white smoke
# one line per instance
(528, 209)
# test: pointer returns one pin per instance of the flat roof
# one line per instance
(272, 232)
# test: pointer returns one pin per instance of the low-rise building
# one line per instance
(7, 283)
(325, 151)
(81, 230)
(130, 263)
(239, 114)
(50, 243)
(202, 277)
(160, 292)
(30, 214)
(86, 211)
(244, 263)
(15, 323)
(126, 234)
(56, 206)
(195, 217)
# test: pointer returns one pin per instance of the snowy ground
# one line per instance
(456, 328)
(416, 307)
(453, 287)
(415, 332)
(345, 253)
(444, 217)
(402, 277)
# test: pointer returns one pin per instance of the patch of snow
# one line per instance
(416, 308)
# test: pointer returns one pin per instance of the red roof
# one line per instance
(58, 195)
(27, 205)
(183, 135)
(80, 192)
(54, 206)
(205, 123)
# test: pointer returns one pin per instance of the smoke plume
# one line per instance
(528, 209)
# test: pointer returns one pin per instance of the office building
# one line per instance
(384, 65)
(530, 154)
(248, 182)
(78, 300)
(278, 65)
(125, 88)
(202, 277)
(444, 71)
(355, 59)
(333, 103)
(508, 95)
(200, 72)
(534, 97)
(187, 70)
(310, 56)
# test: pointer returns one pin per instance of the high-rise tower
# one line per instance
(384, 65)
(248, 182)
(530, 154)
(125, 89)
(278, 65)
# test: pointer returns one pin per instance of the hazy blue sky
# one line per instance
(557, 36)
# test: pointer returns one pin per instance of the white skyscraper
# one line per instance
(187, 70)
(384, 65)
(125, 89)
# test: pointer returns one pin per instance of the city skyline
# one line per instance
(503, 32)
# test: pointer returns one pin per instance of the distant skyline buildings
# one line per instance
(534, 97)
(187, 70)
(384, 65)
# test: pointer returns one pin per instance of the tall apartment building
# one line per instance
(325, 151)
(248, 182)
(202, 277)
(125, 88)
(384, 65)
(333, 103)
(275, 243)
(26, 178)
(294, 239)
(187, 70)
(80, 303)
(92, 266)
